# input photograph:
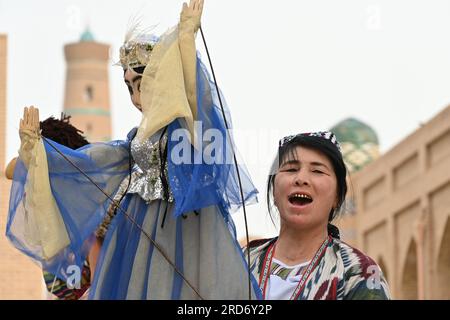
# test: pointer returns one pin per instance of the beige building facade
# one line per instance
(19, 277)
(401, 212)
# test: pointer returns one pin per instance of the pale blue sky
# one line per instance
(284, 66)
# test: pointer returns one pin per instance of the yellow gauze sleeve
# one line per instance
(44, 224)
(163, 88)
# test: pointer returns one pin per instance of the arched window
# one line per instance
(88, 94)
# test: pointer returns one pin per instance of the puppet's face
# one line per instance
(133, 82)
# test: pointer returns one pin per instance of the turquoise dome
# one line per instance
(87, 36)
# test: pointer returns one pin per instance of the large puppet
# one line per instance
(159, 202)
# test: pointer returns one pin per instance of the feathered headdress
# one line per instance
(137, 46)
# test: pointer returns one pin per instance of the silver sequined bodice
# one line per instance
(148, 183)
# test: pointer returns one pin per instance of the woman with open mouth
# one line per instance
(307, 260)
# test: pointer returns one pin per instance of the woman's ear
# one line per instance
(335, 204)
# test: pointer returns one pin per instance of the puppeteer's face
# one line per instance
(133, 83)
(305, 189)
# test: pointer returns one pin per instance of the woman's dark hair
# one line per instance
(324, 146)
(62, 132)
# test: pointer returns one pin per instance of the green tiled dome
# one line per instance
(359, 143)
(354, 131)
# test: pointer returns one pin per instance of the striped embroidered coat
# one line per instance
(343, 273)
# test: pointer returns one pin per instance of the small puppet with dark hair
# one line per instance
(63, 132)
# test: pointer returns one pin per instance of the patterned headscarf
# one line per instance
(327, 135)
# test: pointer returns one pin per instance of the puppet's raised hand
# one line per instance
(191, 15)
(29, 124)
(29, 133)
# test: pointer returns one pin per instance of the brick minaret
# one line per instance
(87, 87)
